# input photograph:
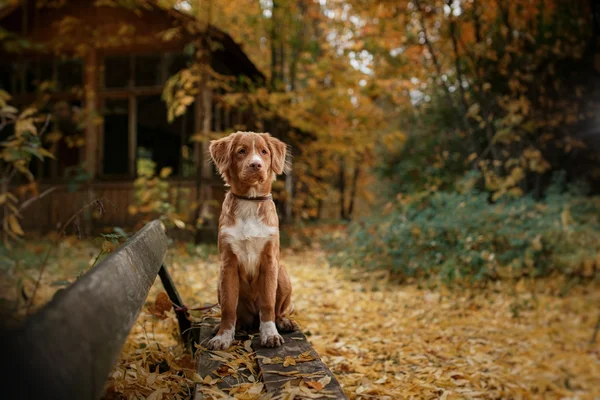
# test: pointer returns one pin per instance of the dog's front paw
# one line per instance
(269, 337)
(271, 341)
(222, 341)
(286, 325)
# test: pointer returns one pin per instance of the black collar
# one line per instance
(256, 198)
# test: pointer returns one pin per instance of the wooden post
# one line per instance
(205, 167)
(90, 64)
(218, 118)
(100, 163)
(91, 95)
(289, 196)
(132, 131)
(239, 118)
(227, 119)
(203, 108)
(198, 158)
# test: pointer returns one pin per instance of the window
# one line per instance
(162, 142)
(46, 70)
(70, 145)
(177, 62)
(132, 117)
(64, 134)
(6, 77)
(117, 71)
(70, 75)
(148, 70)
(116, 137)
(25, 77)
(64, 138)
(29, 76)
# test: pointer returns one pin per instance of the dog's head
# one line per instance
(248, 158)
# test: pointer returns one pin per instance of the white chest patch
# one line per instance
(248, 237)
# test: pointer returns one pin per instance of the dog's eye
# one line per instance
(264, 151)
(241, 151)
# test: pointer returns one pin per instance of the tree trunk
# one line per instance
(203, 110)
(274, 47)
(342, 186)
(353, 190)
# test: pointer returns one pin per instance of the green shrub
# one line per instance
(456, 235)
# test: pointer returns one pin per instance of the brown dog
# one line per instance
(253, 286)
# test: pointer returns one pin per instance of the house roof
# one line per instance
(118, 26)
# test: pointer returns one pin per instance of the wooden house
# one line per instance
(111, 59)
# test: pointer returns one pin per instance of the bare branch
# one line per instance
(30, 201)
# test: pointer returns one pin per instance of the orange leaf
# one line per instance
(161, 305)
(314, 385)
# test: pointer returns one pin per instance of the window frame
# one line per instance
(131, 92)
(21, 96)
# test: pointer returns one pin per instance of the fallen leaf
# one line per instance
(314, 384)
(289, 361)
(161, 305)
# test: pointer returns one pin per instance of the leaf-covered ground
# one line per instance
(512, 341)
(383, 341)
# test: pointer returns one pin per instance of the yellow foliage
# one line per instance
(14, 225)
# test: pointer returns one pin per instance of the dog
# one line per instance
(254, 288)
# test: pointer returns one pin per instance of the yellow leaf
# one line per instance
(289, 361)
(256, 388)
(108, 247)
(158, 394)
(165, 172)
(515, 192)
(14, 225)
(325, 380)
(4, 95)
(53, 137)
(28, 112)
(46, 153)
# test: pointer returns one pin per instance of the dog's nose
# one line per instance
(256, 165)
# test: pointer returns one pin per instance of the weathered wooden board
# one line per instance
(295, 344)
(67, 349)
(205, 364)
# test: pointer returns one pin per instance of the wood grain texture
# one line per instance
(67, 349)
(295, 344)
(205, 365)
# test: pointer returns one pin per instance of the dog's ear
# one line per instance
(280, 155)
(220, 152)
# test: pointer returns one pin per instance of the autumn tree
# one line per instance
(497, 86)
(314, 95)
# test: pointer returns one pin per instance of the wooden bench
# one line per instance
(67, 349)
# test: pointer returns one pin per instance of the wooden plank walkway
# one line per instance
(293, 367)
